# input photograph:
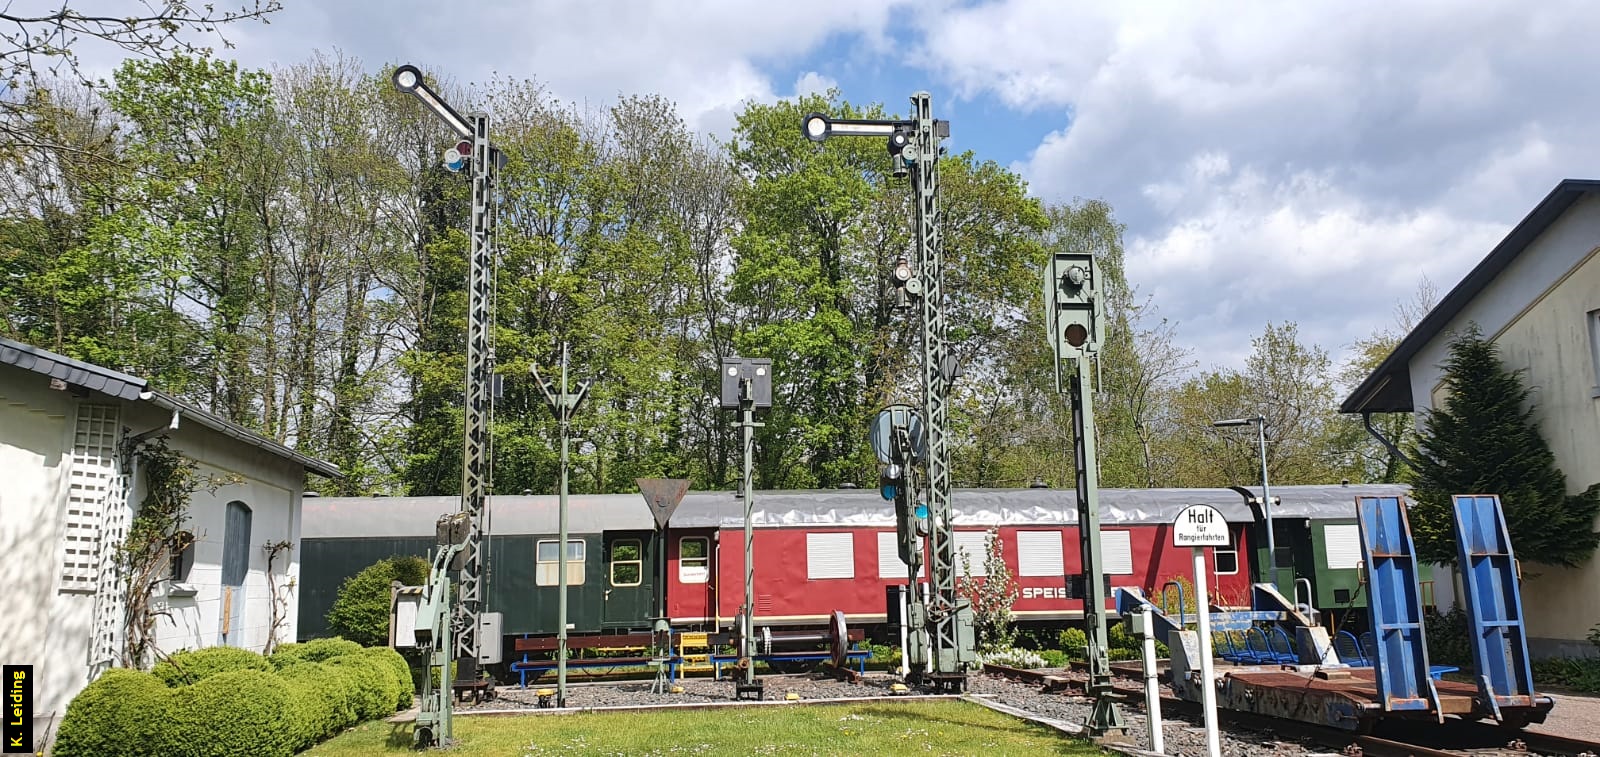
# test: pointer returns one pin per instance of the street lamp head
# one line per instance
(815, 127)
(406, 78)
(1235, 422)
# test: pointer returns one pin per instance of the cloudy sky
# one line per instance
(1307, 161)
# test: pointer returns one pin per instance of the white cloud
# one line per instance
(1304, 161)
(811, 83)
(708, 57)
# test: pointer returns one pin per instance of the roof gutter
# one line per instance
(1366, 421)
(235, 431)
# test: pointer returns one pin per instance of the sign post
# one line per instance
(1199, 527)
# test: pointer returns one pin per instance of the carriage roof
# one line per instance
(352, 517)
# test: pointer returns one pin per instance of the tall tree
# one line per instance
(1485, 439)
(38, 47)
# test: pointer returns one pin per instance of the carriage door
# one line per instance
(235, 566)
(629, 599)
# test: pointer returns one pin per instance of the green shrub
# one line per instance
(376, 691)
(196, 665)
(1073, 640)
(398, 669)
(885, 655)
(1055, 658)
(1579, 674)
(1117, 637)
(1448, 637)
(124, 712)
(243, 713)
(325, 699)
(360, 612)
(316, 650)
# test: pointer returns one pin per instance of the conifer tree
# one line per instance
(1484, 440)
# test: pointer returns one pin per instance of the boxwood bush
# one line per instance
(316, 650)
(324, 700)
(376, 691)
(196, 665)
(123, 712)
(243, 713)
(239, 704)
(399, 670)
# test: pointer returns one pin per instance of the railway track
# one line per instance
(1455, 738)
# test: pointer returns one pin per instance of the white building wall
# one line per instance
(41, 626)
(50, 625)
(270, 487)
(1536, 312)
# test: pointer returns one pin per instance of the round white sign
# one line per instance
(1200, 526)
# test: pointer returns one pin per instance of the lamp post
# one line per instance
(1260, 422)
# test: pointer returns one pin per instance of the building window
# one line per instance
(830, 556)
(1594, 349)
(236, 544)
(694, 559)
(181, 548)
(1225, 560)
(547, 569)
(627, 567)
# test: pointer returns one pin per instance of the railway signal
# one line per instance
(913, 145)
(563, 403)
(663, 495)
(485, 161)
(1073, 314)
(746, 386)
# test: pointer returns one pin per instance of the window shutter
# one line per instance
(1039, 553)
(1343, 545)
(1116, 550)
(830, 556)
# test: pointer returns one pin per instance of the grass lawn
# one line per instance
(932, 728)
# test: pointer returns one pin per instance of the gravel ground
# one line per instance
(1576, 717)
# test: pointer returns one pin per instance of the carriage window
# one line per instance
(547, 571)
(627, 567)
(1225, 560)
(694, 561)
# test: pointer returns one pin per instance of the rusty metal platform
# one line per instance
(1347, 698)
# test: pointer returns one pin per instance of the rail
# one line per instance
(1455, 738)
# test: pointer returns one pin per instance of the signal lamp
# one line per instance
(1076, 334)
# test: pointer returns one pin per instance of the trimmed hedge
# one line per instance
(240, 703)
(376, 691)
(316, 650)
(196, 665)
(399, 670)
(324, 700)
(243, 713)
(123, 712)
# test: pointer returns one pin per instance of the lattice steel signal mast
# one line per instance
(914, 147)
(484, 160)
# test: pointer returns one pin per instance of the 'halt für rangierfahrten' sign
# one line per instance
(1200, 526)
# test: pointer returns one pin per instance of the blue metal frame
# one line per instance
(1395, 606)
(1493, 598)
